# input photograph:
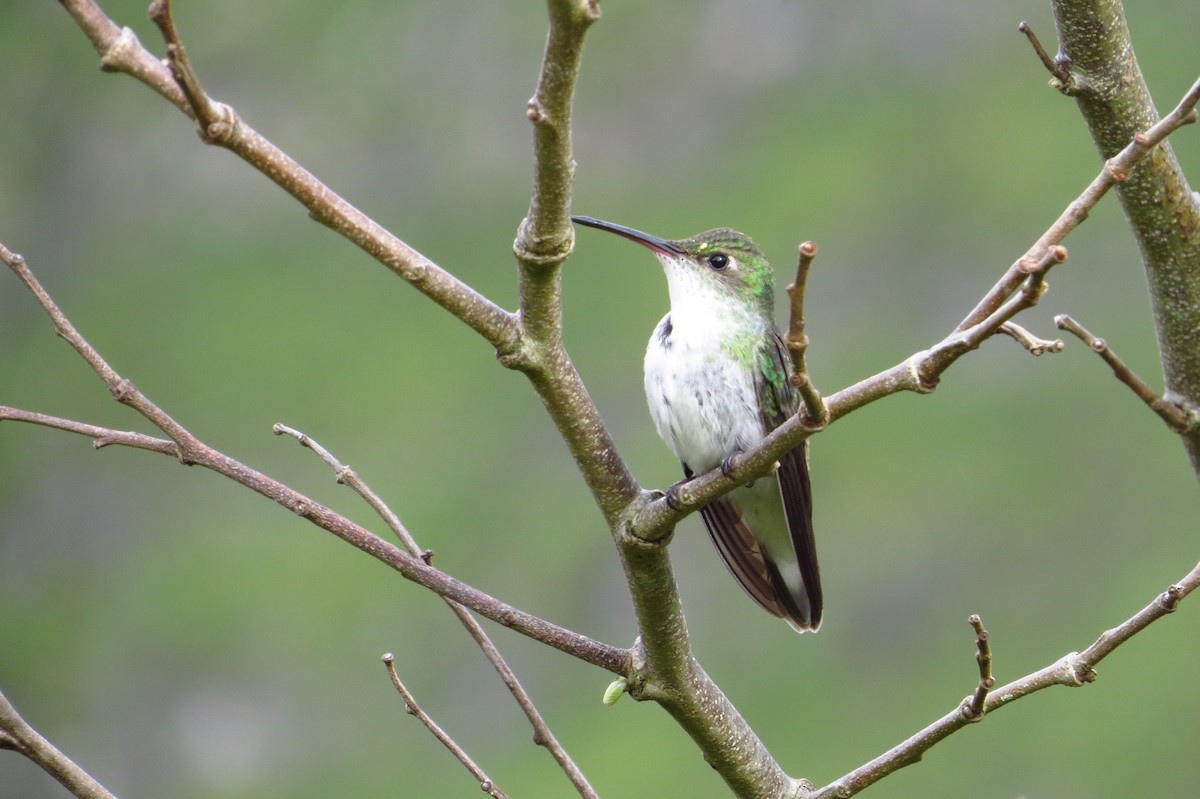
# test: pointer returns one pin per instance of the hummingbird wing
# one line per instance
(794, 484)
(754, 570)
(797, 600)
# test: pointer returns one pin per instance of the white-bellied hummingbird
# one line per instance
(717, 382)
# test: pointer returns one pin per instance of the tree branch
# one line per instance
(17, 735)
(191, 451)
(120, 51)
(542, 735)
(920, 372)
(1162, 209)
(1072, 670)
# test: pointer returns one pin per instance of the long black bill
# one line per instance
(645, 239)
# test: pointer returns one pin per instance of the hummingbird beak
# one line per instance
(645, 239)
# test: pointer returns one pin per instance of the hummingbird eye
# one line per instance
(718, 261)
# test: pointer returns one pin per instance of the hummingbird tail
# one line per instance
(787, 582)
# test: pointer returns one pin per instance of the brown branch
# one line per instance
(1116, 169)
(411, 706)
(101, 436)
(1072, 670)
(541, 730)
(18, 736)
(919, 373)
(192, 451)
(204, 110)
(797, 340)
(120, 51)
(1176, 417)
(1162, 209)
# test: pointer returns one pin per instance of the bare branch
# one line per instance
(101, 436)
(1116, 169)
(120, 51)
(190, 450)
(17, 735)
(1176, 417)
(410, 704)
(541, 730)
(204, 110)
(1072, 670)
(797, 340)
(1162, 209)
(919, 373)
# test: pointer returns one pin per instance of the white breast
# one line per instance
(703, 403)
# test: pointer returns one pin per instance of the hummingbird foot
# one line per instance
(672, 498)
(727, 465)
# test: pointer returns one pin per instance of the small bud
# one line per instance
(613, 692)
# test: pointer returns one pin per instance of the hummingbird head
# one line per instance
(721, 262)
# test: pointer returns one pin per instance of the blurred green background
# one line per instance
(179, 636)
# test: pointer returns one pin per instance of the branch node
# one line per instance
(1169, 599)
(117, 56)
(536, 112)
(123, 390)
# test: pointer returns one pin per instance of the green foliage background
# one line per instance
(181, 637)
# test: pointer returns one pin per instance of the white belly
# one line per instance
(702, 402)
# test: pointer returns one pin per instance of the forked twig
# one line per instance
(541, 730)
(921, 371)
(190, 450)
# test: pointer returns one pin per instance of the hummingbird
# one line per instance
(717, 382)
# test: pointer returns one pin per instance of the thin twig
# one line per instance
(101, 436)
(206, 112)
(190, 450)
(1176, 417)
(1116, 169)
(973, 706)
(797, 340)
(1072, 670)
(120, 51)
(1034, 344)
(412, 707)
(17, 735)
(919, 372)
(541, 730)
(1057, 68)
